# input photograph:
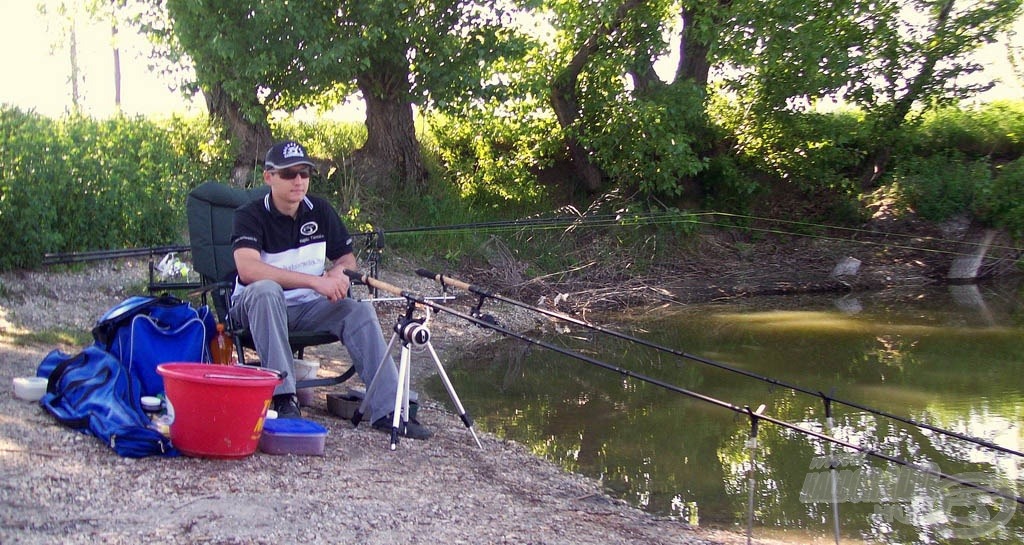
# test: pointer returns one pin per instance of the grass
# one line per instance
(50, 337)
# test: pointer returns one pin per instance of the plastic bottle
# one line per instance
(222, 348)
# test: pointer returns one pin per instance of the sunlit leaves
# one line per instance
(309, 52)
(869, 52)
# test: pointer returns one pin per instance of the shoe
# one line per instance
(287, 406)
(413, 429)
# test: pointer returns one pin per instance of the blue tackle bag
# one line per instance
(145, 331)
(92, 393)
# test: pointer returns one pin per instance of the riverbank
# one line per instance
(62, 486)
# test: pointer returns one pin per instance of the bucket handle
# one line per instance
(239, 377)
(281, 375)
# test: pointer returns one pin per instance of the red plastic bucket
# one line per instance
(218, 410)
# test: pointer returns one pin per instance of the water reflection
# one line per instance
(949, 358)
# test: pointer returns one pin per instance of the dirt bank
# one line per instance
(60, 486)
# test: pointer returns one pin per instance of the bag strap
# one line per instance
(103, 330)
(60, 369)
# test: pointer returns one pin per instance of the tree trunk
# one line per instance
(391, 157)
(693, 54)
(76, 98)
(567, 112)
(874, 165)
(564, 102)
(253, 139)
(117, 65)
(645, 77)
(877, 160)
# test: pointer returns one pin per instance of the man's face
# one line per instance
(289, 185)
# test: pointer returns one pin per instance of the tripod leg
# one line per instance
(407, 391)
(401, 396)
(451, 393)
(357, 417)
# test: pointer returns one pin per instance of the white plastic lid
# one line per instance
(150, 403)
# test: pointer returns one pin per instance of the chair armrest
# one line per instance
(220, 292)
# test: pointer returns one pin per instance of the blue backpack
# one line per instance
(91, 392)
(145, 331)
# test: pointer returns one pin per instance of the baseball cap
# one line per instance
(287, 154)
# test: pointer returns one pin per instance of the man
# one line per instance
(282, 244)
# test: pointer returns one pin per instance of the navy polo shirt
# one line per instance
(302, 244)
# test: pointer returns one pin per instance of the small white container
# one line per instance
(151, 404)
(29, 388)
(305, 369)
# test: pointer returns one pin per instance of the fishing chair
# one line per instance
(210, 210)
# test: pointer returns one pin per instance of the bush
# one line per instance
(27, 215)
(1000, 201)
(940, 186)
(814, 151)
(78, 184)
(491, 162)
(651, 144)
(994, 130)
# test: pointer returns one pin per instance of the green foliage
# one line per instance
(944, 165)
(492, 161)
(243, 49)
(788, 53)
(1000, 200)
(333, 140)
(880, 55)
(727, 187)
(892, 59)
(311, 53)
(811, 150)
(440, 205)
(940, 186)
(939, 163)
(79, 184)
(993, 130)
(651, 142)
(27, 161)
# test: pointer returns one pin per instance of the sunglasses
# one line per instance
(291, 174)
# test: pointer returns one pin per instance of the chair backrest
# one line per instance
(210, 209)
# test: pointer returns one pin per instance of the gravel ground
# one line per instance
(61, 486)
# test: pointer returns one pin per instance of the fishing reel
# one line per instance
(413, 331)
(487, 319)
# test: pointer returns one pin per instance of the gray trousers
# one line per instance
(261, 309)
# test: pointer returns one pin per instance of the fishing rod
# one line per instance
(755, 416)
(104, 255)
(828, 400)
(67, 258)
(696, 218)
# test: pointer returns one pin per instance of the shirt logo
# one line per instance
(309, 228)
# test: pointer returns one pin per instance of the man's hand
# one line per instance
(331, 286)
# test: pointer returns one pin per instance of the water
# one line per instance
(951, 357)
